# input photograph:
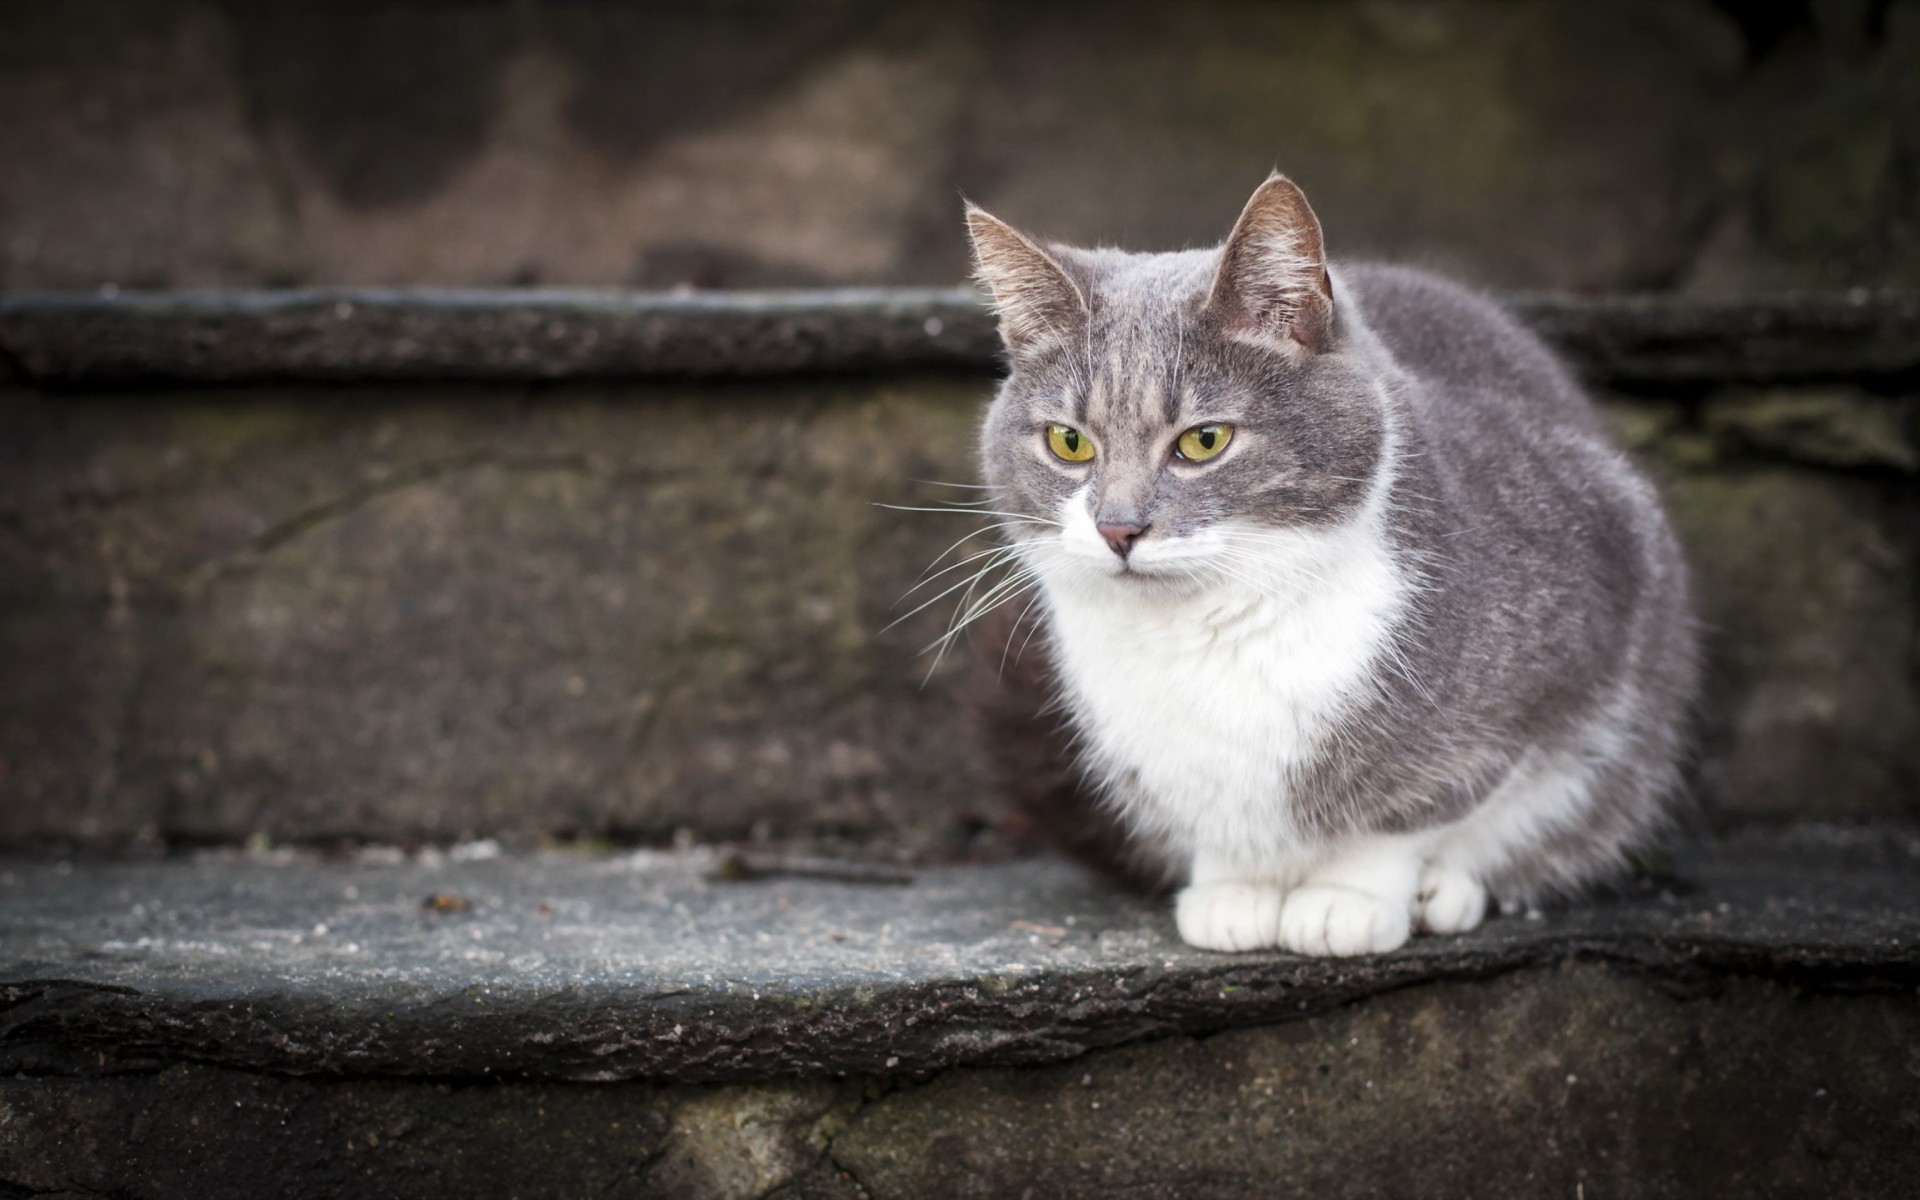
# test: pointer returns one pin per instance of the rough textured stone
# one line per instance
(513, 335)
(1647, 144)
(376, 614)
(1808, 587)
(1577, 1081)
(189, 1131)
(1798, 519)
(646, 967)
(1747, 1025)
(1834, 427)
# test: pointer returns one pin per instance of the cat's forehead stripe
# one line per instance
(1134, 378)
(1129, 393)
(1124, 375)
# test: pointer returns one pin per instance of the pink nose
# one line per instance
(1121, 536)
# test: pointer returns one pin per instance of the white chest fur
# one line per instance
(1199, 709)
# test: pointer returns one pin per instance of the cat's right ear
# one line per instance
(1038, 302)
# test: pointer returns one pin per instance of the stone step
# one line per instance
(555, 1023)
(515, 334)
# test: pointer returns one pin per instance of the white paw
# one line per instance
(1449, 901)
(1320, 919)
(1229, 916)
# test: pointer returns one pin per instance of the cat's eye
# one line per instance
(1202, 442)
(1069, 443)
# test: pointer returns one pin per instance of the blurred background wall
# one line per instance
(1673, 144)
(594, 610)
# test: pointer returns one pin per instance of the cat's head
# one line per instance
(1164, 411)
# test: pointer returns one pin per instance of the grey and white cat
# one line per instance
(1355, 616)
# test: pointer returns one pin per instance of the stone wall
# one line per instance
(433, 612)
(1693, 145)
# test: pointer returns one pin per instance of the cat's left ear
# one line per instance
(1038, 302)
(1272, 281)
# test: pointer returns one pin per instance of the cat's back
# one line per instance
(1550, 552)
(1469, 354)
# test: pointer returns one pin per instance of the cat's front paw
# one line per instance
(1449, 901)
(1229, 916)
(1324, 920)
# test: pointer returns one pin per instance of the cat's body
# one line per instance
(1417, 633)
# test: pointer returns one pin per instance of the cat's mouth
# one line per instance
(1148, 573)
(1146, 563)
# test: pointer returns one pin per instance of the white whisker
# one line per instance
(966, 512)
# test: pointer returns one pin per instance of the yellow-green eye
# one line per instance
(1202, 442)
(1069, 443)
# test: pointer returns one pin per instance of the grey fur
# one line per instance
(1550, 580)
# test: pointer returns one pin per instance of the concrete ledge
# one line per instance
(647, 967)
(533, 334)
(508, 334)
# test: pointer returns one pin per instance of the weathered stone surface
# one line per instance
(1833, 427)
(376, 614)
(190, 1029)
(207, 1133)
(1662, 340)
(510, 334)
(1585, 1079)
(1579, 1081)
(1808, 589)
(514, 335)
(1799, 522)
(564, 967)
(1644, 144)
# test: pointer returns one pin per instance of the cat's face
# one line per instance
(1166, 413)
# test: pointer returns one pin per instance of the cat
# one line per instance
(1346, 616)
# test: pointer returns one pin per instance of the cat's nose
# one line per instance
(1121, 535)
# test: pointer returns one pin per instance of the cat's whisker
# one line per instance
(970, 582)
(967, 610)
(941, 557)
(966, 512)
(1001, 551)
(1031, 630)
(1006, 589)
(1015, 628)
(1014, 556)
